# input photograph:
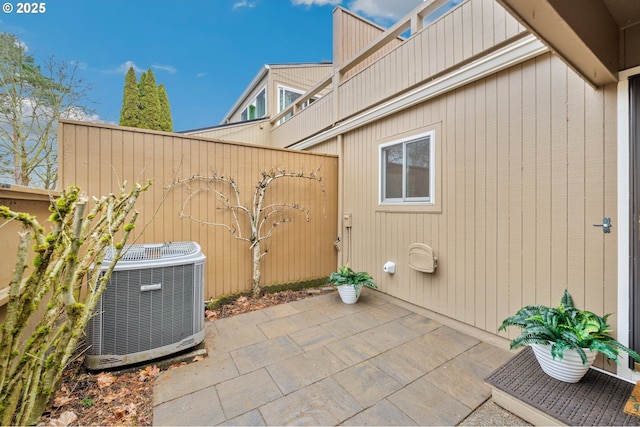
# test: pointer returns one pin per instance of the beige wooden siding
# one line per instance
(469, 31)
(475, 27)
(316, 117)
(528, 165)
(351, 34)
(255, 131)
(302, 78)
(98, 158)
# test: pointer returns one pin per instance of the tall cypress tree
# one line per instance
(149, 101)
(166, 122)
(130, 112)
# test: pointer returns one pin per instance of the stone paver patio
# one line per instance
(321, 362)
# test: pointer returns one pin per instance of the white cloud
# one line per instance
(315, 2)
(201, 75)
(243, 3)
(78, 114)
(124, 67)
(168, 68)
(387, 10)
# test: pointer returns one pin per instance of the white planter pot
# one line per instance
(348, 294)
(569, 369)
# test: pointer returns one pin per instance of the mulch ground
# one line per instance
(126, 398)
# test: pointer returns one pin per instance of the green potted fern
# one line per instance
(349, 283)
(565, 339)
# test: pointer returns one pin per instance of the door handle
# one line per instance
(606, 225)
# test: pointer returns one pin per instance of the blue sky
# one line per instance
(205, 52)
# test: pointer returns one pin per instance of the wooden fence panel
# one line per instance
(98, 158)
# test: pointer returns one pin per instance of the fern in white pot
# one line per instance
(349, 283)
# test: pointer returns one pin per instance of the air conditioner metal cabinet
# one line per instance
(153, 305)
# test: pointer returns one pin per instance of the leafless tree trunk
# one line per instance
(263, 219)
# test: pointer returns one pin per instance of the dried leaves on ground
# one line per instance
(126, 398)
(245, 304)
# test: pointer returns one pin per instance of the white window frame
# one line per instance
(304, 105)
(404, 200)
(254, 103)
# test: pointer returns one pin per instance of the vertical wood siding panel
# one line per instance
(479, 254)
(457, 28)
(575, 189)
(544, 255)
(477, 32)
(80, 140)
(450, 300)
(595, 285)
(529, 180)
(440, 48)
(499, 25)
(488, 30)
(460, 192)
(491, 304)
(432, 50)
(503, 202)
(515, 188)
(449, 42)
(558, 179)
(467, 29)
(470, 177)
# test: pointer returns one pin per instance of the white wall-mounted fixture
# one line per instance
(389, 267)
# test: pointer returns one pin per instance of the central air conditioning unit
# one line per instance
(153, 305)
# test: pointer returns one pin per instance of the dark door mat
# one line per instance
(597, 399)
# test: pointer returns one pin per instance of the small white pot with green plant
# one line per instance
(349, 283)
(565, 339)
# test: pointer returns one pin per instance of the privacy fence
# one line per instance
(101, 158)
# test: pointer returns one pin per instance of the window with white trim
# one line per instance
(287, 96)
(257, 107)
(407, 170)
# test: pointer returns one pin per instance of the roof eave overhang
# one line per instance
(583, 34)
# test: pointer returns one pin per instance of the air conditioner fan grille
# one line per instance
(147, 252)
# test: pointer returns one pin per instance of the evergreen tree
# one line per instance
(130, 113)
(166, 122)
(149, 102)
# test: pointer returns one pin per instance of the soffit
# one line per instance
(586, 38)
(626, 13)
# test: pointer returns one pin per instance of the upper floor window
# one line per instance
(257, 108)
(407, 170)
(287, 96)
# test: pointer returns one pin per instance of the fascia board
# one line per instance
(515, 53)
(263, 72)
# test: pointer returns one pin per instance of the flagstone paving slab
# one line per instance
(259, 355)
(303, 369)
(383, 413)
(195, 409)
(247, 392)
(216, 368)
(324, 403)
